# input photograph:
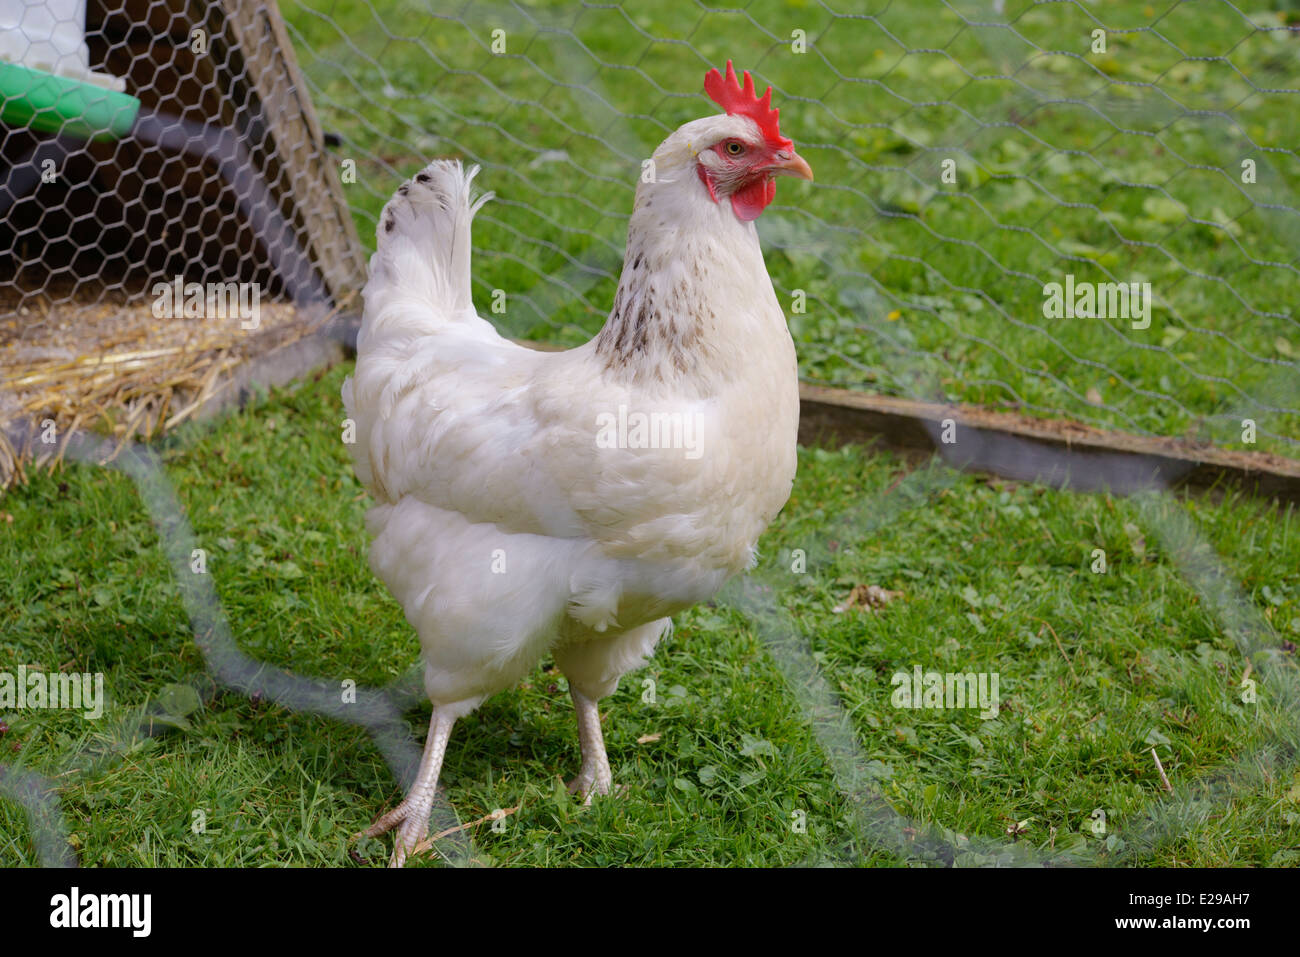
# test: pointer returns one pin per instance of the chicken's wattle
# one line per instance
(750, 200)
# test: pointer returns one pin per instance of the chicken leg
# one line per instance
(595, 776)
(593, 669)
(413, 813)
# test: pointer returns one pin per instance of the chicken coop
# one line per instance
(169, 211)
(1055, 245)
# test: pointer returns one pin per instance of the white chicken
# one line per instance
(569, 503)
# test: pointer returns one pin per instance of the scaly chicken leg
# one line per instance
(413, 813)
(593, 669)
(595, 776)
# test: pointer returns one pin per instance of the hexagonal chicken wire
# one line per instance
(152, 146)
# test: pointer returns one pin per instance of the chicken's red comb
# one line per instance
(738, 101)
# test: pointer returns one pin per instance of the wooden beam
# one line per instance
(1053, 451)
(271, 69)
(348, 269)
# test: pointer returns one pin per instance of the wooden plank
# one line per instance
(1053, 451)
(354, 267)
(298, 146)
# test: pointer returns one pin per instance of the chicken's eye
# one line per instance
(734, 148)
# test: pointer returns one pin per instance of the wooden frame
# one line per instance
(1052, 451)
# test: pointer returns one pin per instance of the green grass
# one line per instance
(1095, 670)
(1122, 165)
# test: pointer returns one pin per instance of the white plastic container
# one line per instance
(50, 35)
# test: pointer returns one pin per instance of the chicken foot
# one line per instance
(595, 776)
(413, 813)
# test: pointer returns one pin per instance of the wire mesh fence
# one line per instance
(165, 209)
(969, 156)
(1062, 209)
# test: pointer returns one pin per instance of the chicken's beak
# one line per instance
(790, 163)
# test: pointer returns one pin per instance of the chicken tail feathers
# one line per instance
(423, 254)
(419, 287)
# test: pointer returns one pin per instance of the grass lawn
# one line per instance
(1124, 165)
(1095, 671)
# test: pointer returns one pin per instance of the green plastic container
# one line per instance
(54, 104)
